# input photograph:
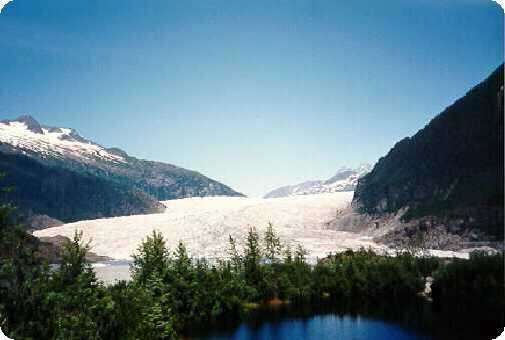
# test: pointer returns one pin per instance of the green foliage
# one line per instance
(151, 258)
(184, 292)
(234, 255)
(39, 303)
(66, 302)
(272, 244)
(367, 276)
(470, 284)
(170, 292)
(300, 254)
(252, 257)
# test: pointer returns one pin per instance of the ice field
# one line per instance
(204, 224)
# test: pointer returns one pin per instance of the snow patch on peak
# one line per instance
(27, 134)
(30, 123)
(3, 3)
(345, 179)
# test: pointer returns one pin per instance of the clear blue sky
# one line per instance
(256, 94)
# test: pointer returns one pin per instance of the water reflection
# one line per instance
(412, 320)
(329, 326)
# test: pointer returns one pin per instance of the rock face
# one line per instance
(35, 222)
(50, 249)
(56, 172)
(450, 172)
(344, 180)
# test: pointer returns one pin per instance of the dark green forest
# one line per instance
(68, 195)
(451, 169)
(170, 292)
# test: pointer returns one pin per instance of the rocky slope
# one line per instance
(449, 174)
(56, 172)
(345, 179)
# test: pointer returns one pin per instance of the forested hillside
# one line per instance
(68, 195)
(451, 169)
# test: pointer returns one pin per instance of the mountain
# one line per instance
(451, 171)
(56, 172)
(344, 180)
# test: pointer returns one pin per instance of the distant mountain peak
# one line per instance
(31, 123)
(26, 118)
(345, 179)
(347, 174)
(27, 134)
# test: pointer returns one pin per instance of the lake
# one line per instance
(319, 327)
(410, 321)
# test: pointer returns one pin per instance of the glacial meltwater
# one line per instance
(400, 320)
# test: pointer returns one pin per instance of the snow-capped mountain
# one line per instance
(53, 170)
(26, 134)
(345, 179)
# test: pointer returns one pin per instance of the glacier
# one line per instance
(204, 224)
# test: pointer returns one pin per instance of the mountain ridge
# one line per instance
(345, 179)
(56, 150)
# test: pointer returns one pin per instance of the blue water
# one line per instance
(328, 326)
(321, 327)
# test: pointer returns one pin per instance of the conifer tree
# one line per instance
(300, 254)
(252, 257)
(152, 258)
(272, 244)
(288, 254)
(234, 255)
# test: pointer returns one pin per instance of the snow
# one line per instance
(204, 224)
(3, 336)
(449, 253)
(52, 142)
(345, 179)
(2, 5)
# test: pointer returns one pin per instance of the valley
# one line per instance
(204, 225)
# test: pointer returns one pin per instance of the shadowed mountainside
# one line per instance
(451, 170)
(68, 195)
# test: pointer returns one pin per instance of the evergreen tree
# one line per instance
(300, 254)
(252, 257)
(182, 261)
(288, 254)
(152, 258)
(272, 244)
(233, 254)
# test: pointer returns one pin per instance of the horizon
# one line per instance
(257, 98)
